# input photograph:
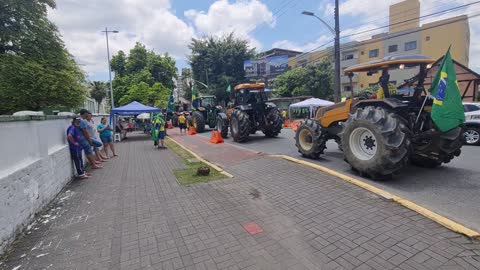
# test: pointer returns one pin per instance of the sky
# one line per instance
(167, 26)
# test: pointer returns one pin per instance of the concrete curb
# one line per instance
(220, 170)
(448, 223)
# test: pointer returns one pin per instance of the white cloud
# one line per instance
(241, 17)
(151, 22)
(309, 46)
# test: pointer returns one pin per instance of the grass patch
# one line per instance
(189, 175)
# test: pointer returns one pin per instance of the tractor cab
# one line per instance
(204, 103)
(250, 93)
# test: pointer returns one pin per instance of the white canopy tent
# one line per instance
(310, 104)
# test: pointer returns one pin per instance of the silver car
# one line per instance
(472, 123)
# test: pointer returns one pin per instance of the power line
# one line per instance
(414, 19)
(346, 47)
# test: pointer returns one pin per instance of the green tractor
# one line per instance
(207, 112)
(252, 112)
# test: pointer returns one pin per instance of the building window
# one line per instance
(392, 48)
(412, 45)
(346, 88)
(373, 53)
(427, 38)
(348, 57)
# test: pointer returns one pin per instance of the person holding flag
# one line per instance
(447, 109)
(158, 130)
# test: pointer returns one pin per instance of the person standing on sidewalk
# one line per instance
(85, 141)
(105, 132)
(182, 123)
(158, 130)
(73, 137)
(92, 131)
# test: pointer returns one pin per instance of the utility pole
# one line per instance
(337, 90)
(109, 67)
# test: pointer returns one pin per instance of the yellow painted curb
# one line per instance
(450, 224)
(220, 170)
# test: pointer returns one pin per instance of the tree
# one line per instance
(187, 84)
(156, 95)
(36, 70)
(218, 62)
(98, 92)
(140, 73)
(314, 80)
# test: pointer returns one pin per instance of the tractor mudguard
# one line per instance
(244, 107)
(270, 105)
(387, 103)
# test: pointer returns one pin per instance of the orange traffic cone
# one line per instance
(170, 126)
(192, 131)
(286, 124)
(295, 125)
(216, 137)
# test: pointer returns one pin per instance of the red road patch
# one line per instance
(252, 228)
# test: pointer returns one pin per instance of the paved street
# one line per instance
(134, 215)
(452, 190)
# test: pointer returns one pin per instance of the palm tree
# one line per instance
(98, 92)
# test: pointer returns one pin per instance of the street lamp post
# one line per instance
(109, 67)
(336, 33)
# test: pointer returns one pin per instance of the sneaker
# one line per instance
(83, 176)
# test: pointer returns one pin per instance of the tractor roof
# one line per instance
(250, 86)
(389, 62)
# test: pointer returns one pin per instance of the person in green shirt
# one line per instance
(158, 131)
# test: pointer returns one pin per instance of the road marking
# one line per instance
(220, 170)
(448, 223)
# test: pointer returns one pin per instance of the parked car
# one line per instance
(472, 123)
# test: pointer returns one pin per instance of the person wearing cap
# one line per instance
(73, 138)
(182, 123)
(85, 141)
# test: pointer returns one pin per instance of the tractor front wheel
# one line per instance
(441, 149)
(240, 126)
(307, 139)
(375, 142)
(198, 122)
(221, 127)
(274, 123)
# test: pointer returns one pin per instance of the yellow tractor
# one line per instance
(379, 136)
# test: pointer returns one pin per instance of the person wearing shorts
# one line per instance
(105, 132)
(85, 141)
(182, 123)
(97, 144)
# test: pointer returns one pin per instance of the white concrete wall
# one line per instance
(35, 166)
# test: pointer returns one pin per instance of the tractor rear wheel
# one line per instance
(307, 139)
(375, 142)
(198, 122)
(221, 127)
(274, 123)
(441, 149)
(240, 126)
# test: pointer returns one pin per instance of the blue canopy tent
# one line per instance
(132, 108)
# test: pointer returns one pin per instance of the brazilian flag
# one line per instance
(447, 109)
(194, 93)
(171, 100)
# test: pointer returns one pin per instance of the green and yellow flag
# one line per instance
(194, 93)
(447, 109)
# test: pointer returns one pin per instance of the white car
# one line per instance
(472, 123)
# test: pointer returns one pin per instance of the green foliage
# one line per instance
(142, 76)
(314, 80)
(218, 62)
(186, 84)
(36, 71)
(156, 95)
(98, 92)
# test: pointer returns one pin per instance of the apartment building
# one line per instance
(404, 36)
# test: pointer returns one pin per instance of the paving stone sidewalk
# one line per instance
(134, 215)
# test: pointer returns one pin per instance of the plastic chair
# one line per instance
(117, 137)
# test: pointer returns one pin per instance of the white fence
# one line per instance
(35, 166)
